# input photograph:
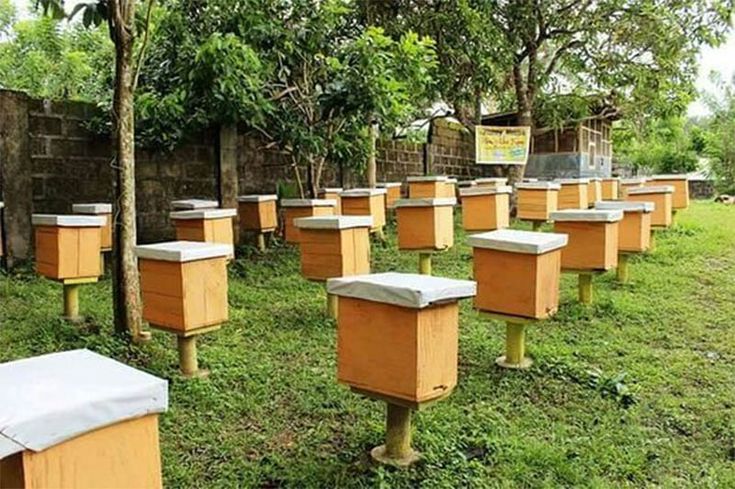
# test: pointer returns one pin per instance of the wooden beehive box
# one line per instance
(392, 193)
(610, 188)
(184, 285)
(427, 187)
(425, 224)
(68, 247)
(485, 208)
(2, 235)
(492, 182)
(102, 210)
(537, 200)
(680, 198)
(573, 193)
(517, 272)
(258, 213)
(365, 202)
(397, 334)
(594, 191)
(593, 238)
(464, 185)
(194, 204)
(334, 246)
(628, 183)
(295, 208)
(79, 420)
(634, 234)
(661, 197)
(449, 191)
(206, 225)
(332, 193)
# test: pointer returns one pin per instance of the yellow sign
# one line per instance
(502, 145)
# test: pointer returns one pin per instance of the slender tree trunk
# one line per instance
(372, 165)
(525, 118)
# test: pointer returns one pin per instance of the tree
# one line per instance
(124, 27)
(665, 145)
(720, 128)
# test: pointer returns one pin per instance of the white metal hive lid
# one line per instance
(673, 176)
(633, 181)
(515, 241)
(572, 181)
(189, 204)
(183, 251)
(466, 183)
(497, 180)
(49, 399)
(388, 184)
(595, 179)
(427, 178)
(402, 289)
(660, 189)
(625, 206)
(426, 202)
(308, 203)
(538, 186)
(94, 209)
(257, 198)
(333, 222)
(611, 179)
(591, 215)
(363, 192)
(204, 214)
(68, 221)
(473, 191)
(331, 190)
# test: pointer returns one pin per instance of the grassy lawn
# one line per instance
(637, 390)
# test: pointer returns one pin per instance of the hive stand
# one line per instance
(102, 210)
(79, 420)
(206, 225)
(573, 193)
(492, 182)
(610, 188)
(485, 208)
(592, 246)
(594, 191)
(2, 235)
(536, 201)
(68, 251)
(661, 196)
(517, 275)
(426, 226)
(184, 291)
(397, 341)
(194, 204)
(392, 193)
(332, 247)
(680, 198)
(366, 202)
(429, 187)
(295, 208)
(628, 183)
(332, 193)
(258, 215)
(634, 235)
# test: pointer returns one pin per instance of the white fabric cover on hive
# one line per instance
(402, 289)
(183, 251)
(473, 191)
(662, 189)
(204, 214)
(308, 203)
(426, 202)
(363, 192)
(428, 178)
(257, 198)
(72, 221)
(98, 208)
(572, 181)
(190, 204)
(514, 241)
(333, 222)
(592, 215)
(538, 186)
(625, 206)
(49, 399)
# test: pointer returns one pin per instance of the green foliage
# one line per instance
(719, 138)
(661, 146)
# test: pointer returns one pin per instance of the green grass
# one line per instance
(637, 390)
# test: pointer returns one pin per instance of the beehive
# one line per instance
(425, 224)
(593, 238)
(485, 208)
(634, 234)
(450, 189)
(464, 185)
(205, 225)
(184, 285)
(610, 188)
(628, 183)
(79, 420)
(194, 204)
(573, 193)
(2, 238)
(492, 182)
(258, 213)
(517, 272)
(392, 193)
(295, 208)
(397, 334)
(680, 199)
(365, 202)
(334, 246)
(68, 247)
(332, 193)
(594, 191)
(661, 196)
(537, 200)
(428, 187)
(102, 210)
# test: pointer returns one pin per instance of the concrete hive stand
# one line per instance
(295, 208)
(426, 226)
(594, 191)
(485, 208)
(68, 250)
(517, 275)
(102, 210)
(332, 247)
(397, 341)
(79, 420)
(332, 193)
(392, 193)
(634, 234)
(194, 204)
(206, 226)
(593, 244)
(610, 188)
(573, 193)
(428, 187)
(536, 201)
(258, 215)
(661, 196)
(184, 291)
(366, 202)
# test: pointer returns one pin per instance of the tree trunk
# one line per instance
(525, 118)
(372, 165)
(125, 278)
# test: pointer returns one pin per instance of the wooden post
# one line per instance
(397, 450)
(515, 347)
(332, 305)
(261, 242)
(652, 246)
(623, 272)
(380, 233)
(425, 263)
(585, 288)
(188, 361)
(102, 264)
(71, 302)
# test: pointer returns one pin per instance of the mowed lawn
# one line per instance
(637, 390)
